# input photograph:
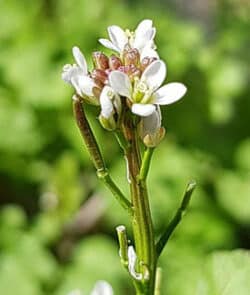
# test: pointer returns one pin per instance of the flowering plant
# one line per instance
(127, 87)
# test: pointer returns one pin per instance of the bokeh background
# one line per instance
(57, 222)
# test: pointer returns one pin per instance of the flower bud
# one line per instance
(146, 61)
(150, 129)
(100, 60)
(152, 140)
(131, 57)
(99, 76)
(114, 62)
(108, 123)
(97, 92)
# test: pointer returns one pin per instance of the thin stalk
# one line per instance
(123, 243)
(147, 156)
(158, 281)
(141, 221)
(176, 219)
(95, 153)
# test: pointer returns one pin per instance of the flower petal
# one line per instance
(151, 124)
(83, 85)
(118, 37)
(144, 33)
(70, 71)
(169, 93)
(155, 74)
(80, 59)
(120, 83)
(108, 44)
(106, 102)
(148, 51)
(143, 110)
(102, 288)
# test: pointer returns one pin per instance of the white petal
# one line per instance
(120, 83)
(152, 123)
(80, 59)
(83, 85)
(155, 74)
(118, 37)
(143, 110)
(148, 51)
(132, 263)
(143, 34)
(102, 288)
(109, 44)
(169, 93)
(144, 26)
(106, 103)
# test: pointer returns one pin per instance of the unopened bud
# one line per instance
(97, 92)
(146, 61)
(108, 123)
(152, 140)
(131, 57)
(134, 72)
(99, 75)
(100, 60)
(114, 62)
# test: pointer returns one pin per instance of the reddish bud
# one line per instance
(146, 61)
(131, 57)
(100, 60)
(114, 62)
(99, 75)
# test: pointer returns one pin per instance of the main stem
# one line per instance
(141, 219)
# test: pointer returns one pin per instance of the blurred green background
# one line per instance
(50, 246)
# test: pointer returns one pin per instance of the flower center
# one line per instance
(131, 37)
(142, 93)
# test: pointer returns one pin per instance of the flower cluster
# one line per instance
(131, 79)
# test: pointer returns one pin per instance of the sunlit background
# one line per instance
(57, 222)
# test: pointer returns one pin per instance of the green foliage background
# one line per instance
(46, 245)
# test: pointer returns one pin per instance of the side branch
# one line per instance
(176, 219)
(147, 156)
(95, 153)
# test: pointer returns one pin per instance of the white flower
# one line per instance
(144, 94)
(77, 74)
(142, 39)
(102, 288)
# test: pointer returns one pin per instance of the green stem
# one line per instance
(123, 243)
(176, 219)
(147, 156)
(158, 281)
(95, 153)
(141, 221)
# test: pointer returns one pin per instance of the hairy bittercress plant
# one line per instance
(127, 88)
